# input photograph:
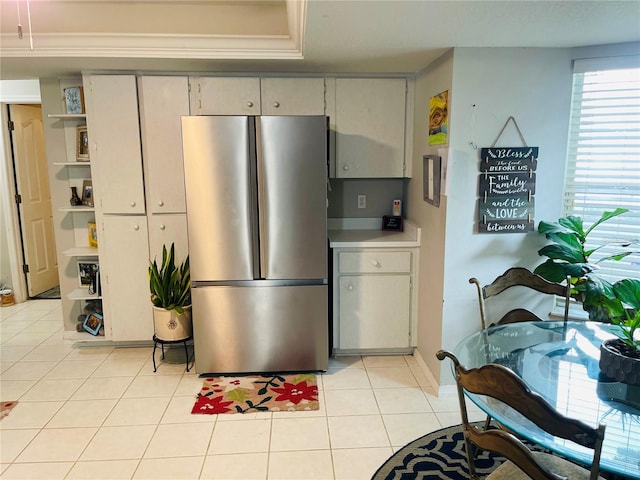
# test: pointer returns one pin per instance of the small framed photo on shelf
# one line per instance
(74, 100)
(87, 272)
(93, 234)
(87, 193)
(392, 222)
(92, 323)
(82, 144)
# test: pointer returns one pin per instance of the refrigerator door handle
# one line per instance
(261, 204)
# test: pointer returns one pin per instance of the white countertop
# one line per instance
(367, 232)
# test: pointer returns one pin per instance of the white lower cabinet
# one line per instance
(374, 307)
(124, 268)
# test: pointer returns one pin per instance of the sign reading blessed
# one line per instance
(506, 186)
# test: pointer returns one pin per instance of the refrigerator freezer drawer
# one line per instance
(260, 329)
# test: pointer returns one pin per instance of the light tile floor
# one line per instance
(101, 413)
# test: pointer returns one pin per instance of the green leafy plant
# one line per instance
(624, 312)
(170, 285)
(569, 256)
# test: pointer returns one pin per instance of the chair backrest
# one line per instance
(519, 276)
(502, 384)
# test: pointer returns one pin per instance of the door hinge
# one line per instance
(25, 268)
(18, 198)
(11, 126)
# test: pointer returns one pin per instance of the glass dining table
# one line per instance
(559, 361)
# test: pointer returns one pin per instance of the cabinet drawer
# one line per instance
(374, 262)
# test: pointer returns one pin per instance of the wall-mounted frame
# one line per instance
(431, 165)
(87, 193)
(82, 144)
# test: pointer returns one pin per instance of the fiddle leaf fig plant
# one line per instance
(170, 284)
(624, 311)
(568, 255)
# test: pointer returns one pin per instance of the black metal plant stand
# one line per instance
(162, 343)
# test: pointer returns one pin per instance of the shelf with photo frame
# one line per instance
(71, 180)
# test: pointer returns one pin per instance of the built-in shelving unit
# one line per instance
(67, 169)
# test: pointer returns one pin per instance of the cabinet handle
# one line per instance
(346, 167)
(249, 104)
(160, 203)
(350, 287)
(162, 227)
(136, 227)
(376, 263)
(133, 204)
(276, 104)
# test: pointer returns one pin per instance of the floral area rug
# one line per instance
(5, 408)
(257, 393)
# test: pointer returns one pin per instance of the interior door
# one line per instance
(36, 218)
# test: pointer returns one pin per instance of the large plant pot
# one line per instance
(615, 364)
(170, 326)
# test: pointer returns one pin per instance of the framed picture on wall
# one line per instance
(431, 179)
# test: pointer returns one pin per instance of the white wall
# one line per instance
(533, 86)
(437, 78)
(11, 91)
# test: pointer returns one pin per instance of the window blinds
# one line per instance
(603, 158)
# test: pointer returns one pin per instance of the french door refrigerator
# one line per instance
(257, 225)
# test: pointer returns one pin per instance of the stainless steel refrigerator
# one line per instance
(257, 224)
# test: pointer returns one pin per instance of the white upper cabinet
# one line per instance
(257, 96)
(292, 96)
(163, 101)
(114, 142)
(369, 122)
(225, 95)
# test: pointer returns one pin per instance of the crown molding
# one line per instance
(165, 46)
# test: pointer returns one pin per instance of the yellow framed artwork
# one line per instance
(439, 118)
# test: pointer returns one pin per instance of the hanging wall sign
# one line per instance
(506, 185)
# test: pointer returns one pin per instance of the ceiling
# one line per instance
(64, 37)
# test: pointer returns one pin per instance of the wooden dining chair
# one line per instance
(519, 276)
(505, 386)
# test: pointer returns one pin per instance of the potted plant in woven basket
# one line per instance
(170, 287)
(620, 357)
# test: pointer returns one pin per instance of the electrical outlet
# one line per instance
(362, 201)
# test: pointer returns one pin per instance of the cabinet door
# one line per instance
(165, 230)
(374, 311)
(292, 96)
(163, 100)
(114, 143)
(370, 127)
(124, 262)
(225, 95)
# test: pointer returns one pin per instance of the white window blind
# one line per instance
(603, 159)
